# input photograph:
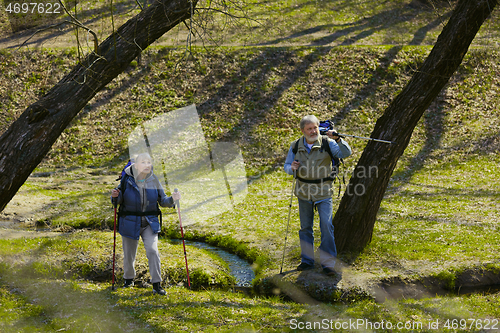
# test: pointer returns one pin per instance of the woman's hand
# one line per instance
(176, 196)
(115, 192)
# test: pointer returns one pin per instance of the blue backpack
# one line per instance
(122, 174)
(325, 126)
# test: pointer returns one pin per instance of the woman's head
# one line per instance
(143, 163)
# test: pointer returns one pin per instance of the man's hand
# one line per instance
(295, 165)
(332, 134)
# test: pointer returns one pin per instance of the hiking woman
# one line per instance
(138, 195)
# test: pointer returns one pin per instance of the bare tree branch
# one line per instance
(80, 25)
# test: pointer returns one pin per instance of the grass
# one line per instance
(278, 22)
(36, 301)
(88, 255)
(437, 223)
(431, 187)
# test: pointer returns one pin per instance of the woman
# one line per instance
(138, 195)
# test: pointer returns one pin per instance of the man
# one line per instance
(311, 164)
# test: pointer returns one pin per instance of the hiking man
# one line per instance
(311, 164)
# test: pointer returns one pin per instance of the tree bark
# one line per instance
(356, 215)
(24, 144)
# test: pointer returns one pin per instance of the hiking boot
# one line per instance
(157, 289)
(329, 271)
(128, 283)
(304, 267)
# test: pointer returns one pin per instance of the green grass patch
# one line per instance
(438, 218)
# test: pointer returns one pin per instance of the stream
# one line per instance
(239, 268)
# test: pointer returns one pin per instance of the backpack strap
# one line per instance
(123, 184)
(295, 147)
(158, 186)
(326, 146)
(316, 181)
(124, 212)
(335, 160)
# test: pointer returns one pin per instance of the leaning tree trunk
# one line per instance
(355, 217)
(30, 137)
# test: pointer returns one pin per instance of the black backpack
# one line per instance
(336, 162)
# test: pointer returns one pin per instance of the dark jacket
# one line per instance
(140, 199)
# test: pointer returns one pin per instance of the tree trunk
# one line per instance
(355, 218)
(30, 137)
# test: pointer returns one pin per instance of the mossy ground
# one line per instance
(438, 220)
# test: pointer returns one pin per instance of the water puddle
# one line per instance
(239, 268)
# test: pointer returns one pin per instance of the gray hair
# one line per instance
(308, 120)
(143, 156)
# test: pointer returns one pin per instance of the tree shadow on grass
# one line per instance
(105, 97)
(434, 127)
(257, 73)
(350, 33)
(257, 100)
(373, 82)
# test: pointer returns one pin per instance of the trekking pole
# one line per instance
(327, 125)
(114, 246)
(288, 223)
(364, 138)
(182, 236)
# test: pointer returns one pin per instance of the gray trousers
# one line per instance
(150, 240)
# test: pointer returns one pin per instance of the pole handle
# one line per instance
(176, 201)
(115, 200)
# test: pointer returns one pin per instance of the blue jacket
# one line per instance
(140, 199)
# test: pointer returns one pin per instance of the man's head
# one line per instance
(309, 125)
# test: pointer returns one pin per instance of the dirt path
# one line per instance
(8, 233)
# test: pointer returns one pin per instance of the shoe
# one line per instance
(128, 283)
(329, 271)
(304, 267)
(157, 289)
